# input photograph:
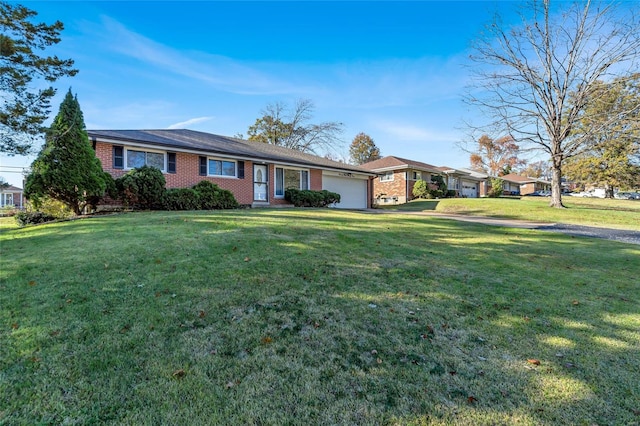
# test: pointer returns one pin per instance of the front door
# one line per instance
(260, 184)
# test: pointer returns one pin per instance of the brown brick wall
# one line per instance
(395, 188)
(188, 169)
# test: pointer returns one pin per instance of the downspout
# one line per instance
(406, 184)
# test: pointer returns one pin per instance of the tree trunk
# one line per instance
(556, 183)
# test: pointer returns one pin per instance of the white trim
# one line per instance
(228, 160)
(388, 176)
(154, 151)
(275, 179)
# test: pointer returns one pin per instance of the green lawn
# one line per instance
(623, 214)
(291, 316)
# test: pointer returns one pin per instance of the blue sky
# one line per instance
(394, 70)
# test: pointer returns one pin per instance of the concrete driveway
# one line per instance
(622, 235)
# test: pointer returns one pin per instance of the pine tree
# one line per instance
(26, 75)
(67, 169)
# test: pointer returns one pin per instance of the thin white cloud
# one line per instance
(214, 71)
(187, 123)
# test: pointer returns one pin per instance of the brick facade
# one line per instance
(188, 174)
(400, 189)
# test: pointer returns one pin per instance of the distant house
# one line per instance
(256, 173)
(465, 183)
(521, 185)
(11, 196)
(397, 177)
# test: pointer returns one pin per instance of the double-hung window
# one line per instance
(290, 178)
(386, 177)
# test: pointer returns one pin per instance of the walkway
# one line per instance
(622, 235)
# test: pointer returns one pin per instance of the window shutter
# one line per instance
(118, 157)
(171, 162)
(240, 169)
(203, 166)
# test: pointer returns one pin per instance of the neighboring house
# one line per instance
(11, 196)
(521, 185)
(256, 173)
(465, 183)
(481, 179)
(397, 177)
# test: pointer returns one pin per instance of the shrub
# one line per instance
(212, 197)
(438, 187)
(451, 193)
(32, 218)
(142, 187)
(54, 208)
(308, 198)
(181, 199)
(420, 189)
(496, 187)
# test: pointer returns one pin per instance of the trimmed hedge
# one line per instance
(142, 187)
(309, 198)
(32, 218)
(181, 199)
(212, 197)
(203, 196)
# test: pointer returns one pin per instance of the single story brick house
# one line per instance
(397, 177)
(11, 196)
(523, 185)
(256, 173)
(466, 183)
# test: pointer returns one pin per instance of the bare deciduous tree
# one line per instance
(534, 80)
(291, 129)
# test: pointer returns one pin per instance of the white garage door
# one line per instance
(469, 190)
(353, 192)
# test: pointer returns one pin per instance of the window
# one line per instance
(7, 199)
(222, 168)
(417, 175)
(137, 159)
(386, 177)
(290, 178)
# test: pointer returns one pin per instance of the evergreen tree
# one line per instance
(67, 169)
(25, 73)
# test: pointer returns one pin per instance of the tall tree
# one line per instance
(496, 157)
(291, 128)
(534, 80)
(67, 169)
(363, 149)
(612, 157)
(23, 74)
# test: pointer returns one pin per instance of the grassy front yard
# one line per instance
(314, 317)
(624, 214)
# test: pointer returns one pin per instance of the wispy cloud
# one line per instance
(214, 71)
(187, 123)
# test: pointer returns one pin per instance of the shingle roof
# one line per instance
(10, 188)
(392, 163)
(216, 144)
(512, 177)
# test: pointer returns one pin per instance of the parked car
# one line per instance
(583, 194)
(627, 195)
